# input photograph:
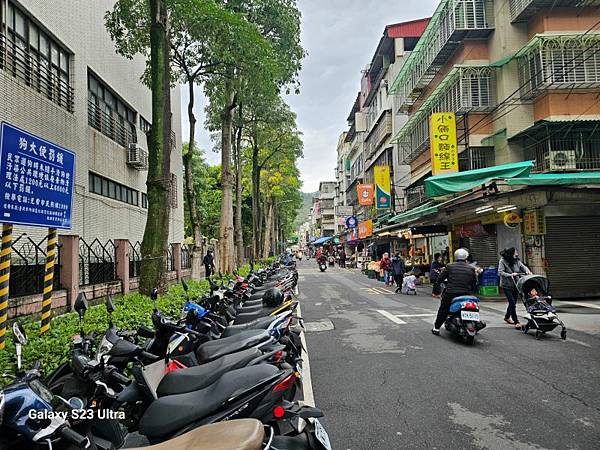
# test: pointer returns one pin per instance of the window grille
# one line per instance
(173, 190)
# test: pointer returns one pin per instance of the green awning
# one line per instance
(441, 185)
(545, 179)
(415, 213)
(503, 61)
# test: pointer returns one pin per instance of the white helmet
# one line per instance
(461, 254)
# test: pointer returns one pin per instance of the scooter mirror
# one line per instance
(185, 286)
(110, 307)
(19, 333)
(81, 305)
(154, 294)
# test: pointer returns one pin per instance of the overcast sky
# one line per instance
(340, 37)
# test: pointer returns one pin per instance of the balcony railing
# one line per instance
(568, 61)
(452, 22)
(379, 134)
(565, 152)
(21, 64)
(121, 132)
(415, 196)
(523, 10)
(465, 89)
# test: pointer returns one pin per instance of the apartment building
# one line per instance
(326, 201)
(523, 77)
(60, 79)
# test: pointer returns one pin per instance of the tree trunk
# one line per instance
(156, 233)
(256, 213)
(239, 232)
(226, 234)
(190, 192)
(268, 228)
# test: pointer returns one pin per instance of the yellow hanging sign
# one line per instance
(444, 148)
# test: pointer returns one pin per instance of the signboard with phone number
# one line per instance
(38, 179)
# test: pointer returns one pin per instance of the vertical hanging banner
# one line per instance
(444, 148)
(365, 194)
(365, 229)
(383, 187)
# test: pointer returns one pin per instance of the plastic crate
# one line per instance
(489, 281)
(489, 291)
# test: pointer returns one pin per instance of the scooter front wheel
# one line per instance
(470, 340)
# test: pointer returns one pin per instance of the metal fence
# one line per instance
(28, 265)
(96, 262)
(135, 259)
(186, 256)
(170, 258)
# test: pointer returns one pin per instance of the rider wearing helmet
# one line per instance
(460, 279)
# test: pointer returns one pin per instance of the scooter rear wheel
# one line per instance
(470, 340)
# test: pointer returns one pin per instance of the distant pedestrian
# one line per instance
(398, 270)
(343, 258)
(436, 267)
(386, 266)
(509, 268)
(209, 264)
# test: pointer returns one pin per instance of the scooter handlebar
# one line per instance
(73, 437)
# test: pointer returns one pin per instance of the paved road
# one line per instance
(385, 382)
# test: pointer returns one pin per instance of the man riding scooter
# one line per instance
(460, 279)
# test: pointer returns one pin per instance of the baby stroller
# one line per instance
(409, 284)
(541, 315)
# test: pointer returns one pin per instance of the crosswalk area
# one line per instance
(378, 291)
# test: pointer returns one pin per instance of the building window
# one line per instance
(144, 200)
(109, 114)
(144, 125)
(111, 189)
(28, 53)
(173, 190)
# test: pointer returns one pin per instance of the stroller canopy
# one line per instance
(529, 282)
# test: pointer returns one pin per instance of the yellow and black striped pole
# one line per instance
(49, 279)
(4, 279)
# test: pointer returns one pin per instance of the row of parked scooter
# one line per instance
(227, 374)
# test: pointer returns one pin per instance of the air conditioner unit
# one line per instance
(137, 157)
(562, 160)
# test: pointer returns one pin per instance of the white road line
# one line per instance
(415, 315)
(393, 318)
(585, 305)
(307, 390)
(575, 341)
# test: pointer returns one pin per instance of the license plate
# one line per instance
(321, 434)
(469, 315)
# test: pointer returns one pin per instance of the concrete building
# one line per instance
(61, 79)
(523, 78)
(325, 216)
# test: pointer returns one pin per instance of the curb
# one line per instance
(307, 390)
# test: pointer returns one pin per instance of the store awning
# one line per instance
(545, 179)
(322, 240)
(440, 185)
(414, 213)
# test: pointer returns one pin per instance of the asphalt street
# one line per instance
(385, 382)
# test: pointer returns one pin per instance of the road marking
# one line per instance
(321, 325)
(393, 318)
(378, 290)
(585, 305)
(307, 390)
(415, 315)
(575, 341)
(318, 304)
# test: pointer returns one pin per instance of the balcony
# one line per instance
(523, 10)
(120, 131)
(452, 22)
(379, 134)
(552, 62)
(415, 196)
(465, 89)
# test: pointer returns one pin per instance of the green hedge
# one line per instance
(132, 310)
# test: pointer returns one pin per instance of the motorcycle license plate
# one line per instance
(321, 434)
(469, 315)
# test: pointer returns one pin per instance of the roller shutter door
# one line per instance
(572, 246)
(484, 250)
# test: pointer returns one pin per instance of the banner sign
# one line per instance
(351, 222)
(365, 194)
(534, 222)
(38, 179)
(344, 211)
(383, 188)
(365, 229)
(444, 148)
(467, 230)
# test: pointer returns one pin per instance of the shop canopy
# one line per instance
(322, 240)
(447, 184)
(545, 179)
(415, 213)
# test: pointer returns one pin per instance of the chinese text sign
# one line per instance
(444, 149)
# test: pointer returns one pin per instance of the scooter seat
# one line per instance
(258, 301)
(170, 414)
(211, 350)
(257, 324)
(199, 377)
(241, 434)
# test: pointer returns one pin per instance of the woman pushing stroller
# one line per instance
(509, 268)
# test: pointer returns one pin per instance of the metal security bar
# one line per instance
(135, 259)
(522, 10)
(119, 131)
(186, 257)
(28, 266)
(415, 196)
(559, 62)
(170, 258)
(96, 262)
(35, 72)
(474, 158)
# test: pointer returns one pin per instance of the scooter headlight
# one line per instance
(104, 348)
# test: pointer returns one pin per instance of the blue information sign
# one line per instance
(351, 222)
(37, 180)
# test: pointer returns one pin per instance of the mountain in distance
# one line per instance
(304, 211)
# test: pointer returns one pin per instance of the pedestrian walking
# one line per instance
(209, 263)
(398, 270)
(386, 266)
(343, 258)
(436, 267)
(509, 268)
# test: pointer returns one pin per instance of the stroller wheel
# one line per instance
(563, 334)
